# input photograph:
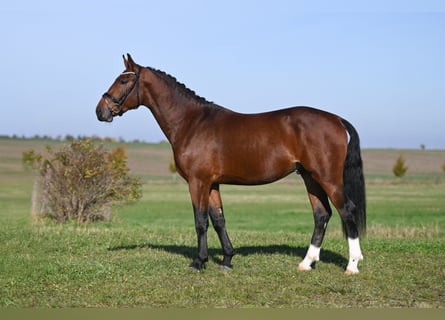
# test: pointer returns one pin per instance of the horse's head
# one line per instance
(123, 95)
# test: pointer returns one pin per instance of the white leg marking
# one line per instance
(355, 255)
(313, 254)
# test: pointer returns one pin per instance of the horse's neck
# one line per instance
(173, 111)
(175, 124)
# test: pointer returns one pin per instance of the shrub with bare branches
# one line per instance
(80, 181)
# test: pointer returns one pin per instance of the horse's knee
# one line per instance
(218, 220)
(201, 227)
(201, 222)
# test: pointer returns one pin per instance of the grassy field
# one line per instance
(140, 258)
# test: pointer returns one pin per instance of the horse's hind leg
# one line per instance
(346, 209)
(351, 231)
(322, 214)
(219, 224)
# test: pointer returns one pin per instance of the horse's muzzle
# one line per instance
(103, 112)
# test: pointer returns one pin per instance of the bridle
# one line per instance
(118, 102)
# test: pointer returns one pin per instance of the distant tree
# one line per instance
(399, 169)
(80, 181)
(172, 167)
(443, 167)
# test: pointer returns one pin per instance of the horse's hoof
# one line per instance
(197, 265)
(226, 268)
(194, 269)
(303, 268)
(350, 272)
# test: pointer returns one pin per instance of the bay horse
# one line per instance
(213, 145)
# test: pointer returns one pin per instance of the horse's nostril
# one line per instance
(103, 114)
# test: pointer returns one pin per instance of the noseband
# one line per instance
(118, 102)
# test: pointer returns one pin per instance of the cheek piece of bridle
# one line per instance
(118, 102)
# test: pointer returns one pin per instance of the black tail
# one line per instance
(353, 179)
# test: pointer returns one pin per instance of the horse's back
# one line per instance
(293, 116)
(293, 126)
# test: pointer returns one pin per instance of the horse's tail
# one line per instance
(353, 179)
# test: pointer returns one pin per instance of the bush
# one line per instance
(172, 168)
(172, 165)
(80, 181)
(399, 168)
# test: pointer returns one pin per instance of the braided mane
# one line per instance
(176, 85)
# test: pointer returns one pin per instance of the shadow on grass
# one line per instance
(189, 252)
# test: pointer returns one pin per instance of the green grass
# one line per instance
(141, 257)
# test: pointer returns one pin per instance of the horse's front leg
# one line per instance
(216, 212)
(199, 193)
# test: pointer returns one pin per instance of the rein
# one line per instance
(118, 102)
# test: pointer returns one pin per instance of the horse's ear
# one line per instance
(129, 63)
(125, 62)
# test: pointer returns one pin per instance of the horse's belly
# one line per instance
(257, 170)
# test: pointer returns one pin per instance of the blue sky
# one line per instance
(380, 64)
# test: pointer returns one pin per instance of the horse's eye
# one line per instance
(124, 81)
